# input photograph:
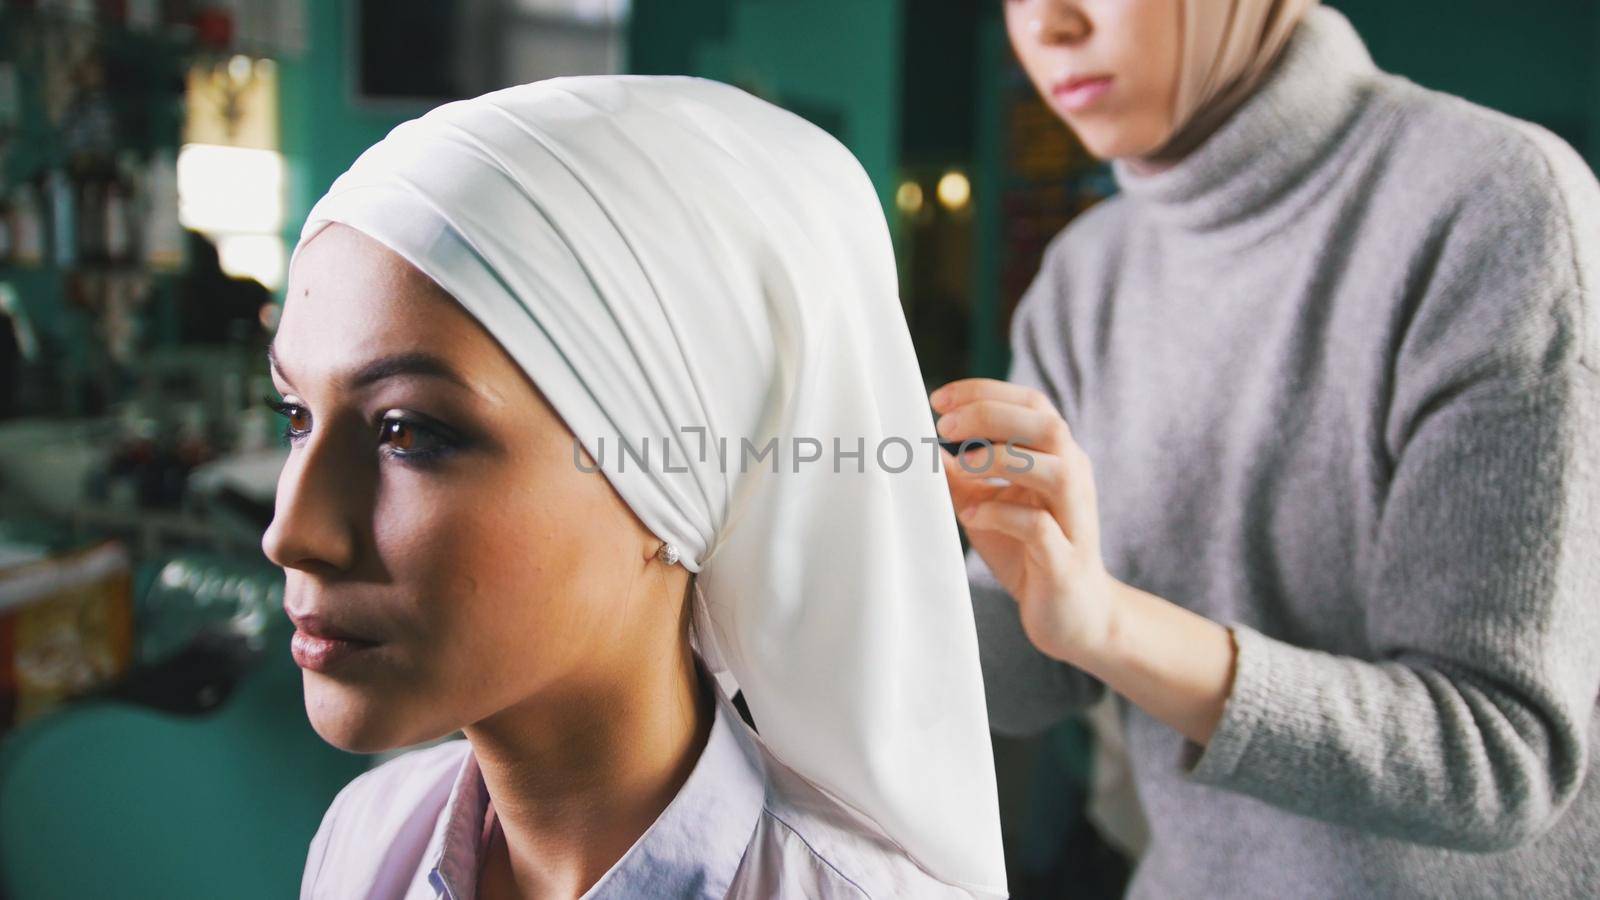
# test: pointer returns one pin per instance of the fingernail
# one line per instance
(936, 397)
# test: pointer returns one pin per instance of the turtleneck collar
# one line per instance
(1272, 141)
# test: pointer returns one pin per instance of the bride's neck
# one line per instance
(579, 772)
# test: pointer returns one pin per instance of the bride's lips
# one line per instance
(320, 646)
(1079, 92)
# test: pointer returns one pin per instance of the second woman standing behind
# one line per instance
(1316, 412)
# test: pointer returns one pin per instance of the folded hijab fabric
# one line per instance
(700, 276)
(1229, 46)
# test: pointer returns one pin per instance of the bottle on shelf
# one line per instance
(162, 231)
(63, 218)
(27, 226)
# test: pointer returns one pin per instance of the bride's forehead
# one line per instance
(351, 298)
(358, 278)
(344, 302)
(337, 318)
(340, 252)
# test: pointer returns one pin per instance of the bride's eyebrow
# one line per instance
(414, 363)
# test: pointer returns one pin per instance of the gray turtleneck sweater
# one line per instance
(1338, 373)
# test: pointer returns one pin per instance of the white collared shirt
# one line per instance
(742, 825)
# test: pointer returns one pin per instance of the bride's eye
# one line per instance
(413, 441)
(297, 419)
(399, 434)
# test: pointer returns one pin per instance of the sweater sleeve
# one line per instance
(1028, 691)
(1466, 727)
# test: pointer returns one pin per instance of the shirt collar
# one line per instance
(693, 849)
(453, 849)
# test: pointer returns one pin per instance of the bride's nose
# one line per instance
(314, 524)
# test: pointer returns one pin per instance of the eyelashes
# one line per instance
(414, 441)
(290, 413)
(404, 438)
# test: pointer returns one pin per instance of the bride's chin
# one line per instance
(355, 723)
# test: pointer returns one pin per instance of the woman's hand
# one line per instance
(1040, 531)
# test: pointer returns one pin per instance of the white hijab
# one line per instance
(666, 254)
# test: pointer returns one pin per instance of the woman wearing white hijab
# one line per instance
(602, 405)
(1314, 407)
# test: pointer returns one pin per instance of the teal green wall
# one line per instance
(323, 129)
(1538, 61)
(105, 799)
(835, 61)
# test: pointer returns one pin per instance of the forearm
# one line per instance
(1174, 664)
(1426, 747)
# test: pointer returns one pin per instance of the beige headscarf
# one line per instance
(1229, 46)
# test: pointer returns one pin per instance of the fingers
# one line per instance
(966, 488)
(1083, 504)
(966, 390)
(1029, 445)
(999, 422)
(1039, 473)
(1063, 484)
(1034, 528)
